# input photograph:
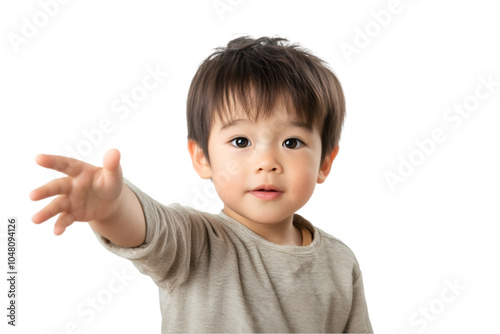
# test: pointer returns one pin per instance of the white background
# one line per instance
(438, 226)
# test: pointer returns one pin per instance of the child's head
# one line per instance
(263, 116)
(256, 74)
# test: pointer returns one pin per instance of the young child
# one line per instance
(264, 122)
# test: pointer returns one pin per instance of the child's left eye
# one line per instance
(293, 143)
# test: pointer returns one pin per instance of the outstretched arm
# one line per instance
(92, 194)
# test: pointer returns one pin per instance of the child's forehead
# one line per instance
(279, 120)
(276, 111)
(280, 114)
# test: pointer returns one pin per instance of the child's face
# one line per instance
(274, 152)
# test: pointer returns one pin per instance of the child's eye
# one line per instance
(293, 143)
(240, 142)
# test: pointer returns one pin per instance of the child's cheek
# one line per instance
(302, 183)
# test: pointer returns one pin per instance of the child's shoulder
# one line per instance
(335, 243)
(328, 241)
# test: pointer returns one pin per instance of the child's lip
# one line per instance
(266, 195)
(267, 192)
(267, 187)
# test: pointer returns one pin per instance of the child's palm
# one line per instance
(87, 193)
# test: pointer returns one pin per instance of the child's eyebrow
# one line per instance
(232, 123)
(296, 124)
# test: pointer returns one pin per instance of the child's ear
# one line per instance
(200, 162)
(326, 166)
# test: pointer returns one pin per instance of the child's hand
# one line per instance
(87, 193)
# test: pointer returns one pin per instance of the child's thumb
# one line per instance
(111, 164)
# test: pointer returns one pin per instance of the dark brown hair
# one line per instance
(258, 73)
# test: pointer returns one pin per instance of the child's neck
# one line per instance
(281, 233)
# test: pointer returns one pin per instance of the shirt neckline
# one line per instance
(298, 221)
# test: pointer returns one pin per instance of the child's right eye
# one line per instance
(240, 142)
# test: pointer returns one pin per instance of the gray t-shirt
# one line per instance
(217, 275)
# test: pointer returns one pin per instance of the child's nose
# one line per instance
(267, 161)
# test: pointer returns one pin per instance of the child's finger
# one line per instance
(68, 166)
(112, 176)
(111, 164)
(63, 221)
(60, 186)
(59, 204)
